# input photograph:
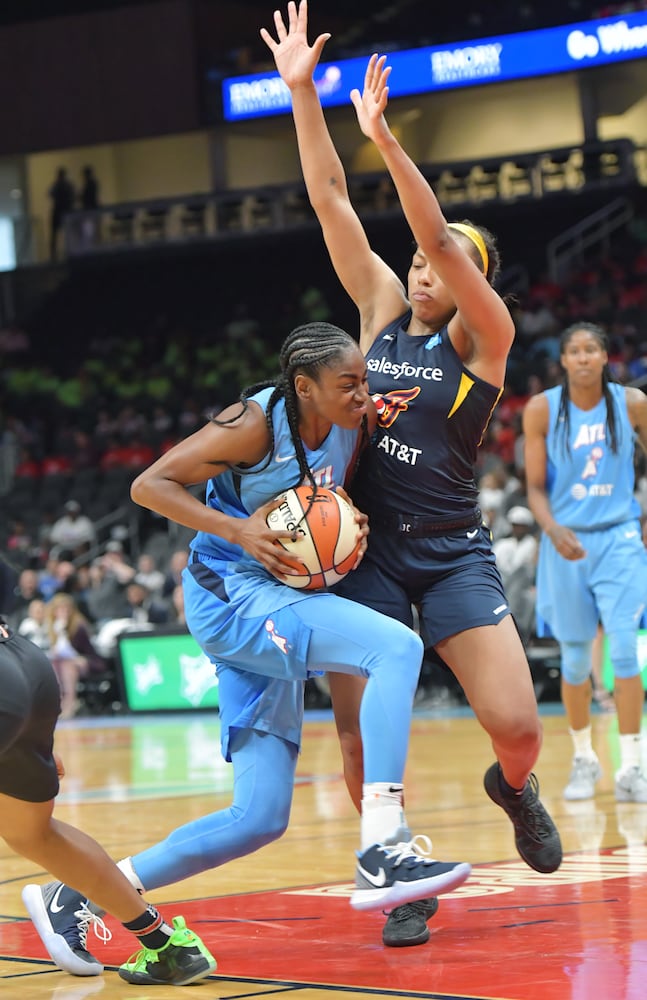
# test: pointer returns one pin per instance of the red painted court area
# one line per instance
(507, 934)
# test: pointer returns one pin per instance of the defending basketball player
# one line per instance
(309, 425)
(436, 353)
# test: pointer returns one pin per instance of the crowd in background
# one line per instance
(90, 426)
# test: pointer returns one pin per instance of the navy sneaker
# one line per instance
(390, 875)
(184, 959)
(535, 834)
(62, 919)
(407, 925)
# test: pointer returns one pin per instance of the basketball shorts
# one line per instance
(609, 585)
(263, 647)
(29, 708)
(452, 579)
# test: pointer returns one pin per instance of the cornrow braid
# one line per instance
(307, 350)
(564, 415)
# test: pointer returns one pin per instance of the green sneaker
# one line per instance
(184, 960)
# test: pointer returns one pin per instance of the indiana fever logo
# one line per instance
(392, 404)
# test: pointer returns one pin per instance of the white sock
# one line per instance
(630, 751)
(126, 866)
(382, 812)
(582, 743)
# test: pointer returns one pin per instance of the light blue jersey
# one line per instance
(590, 487)
(266, 637)
(239, 495)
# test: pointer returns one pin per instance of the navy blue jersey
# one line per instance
(432, 414)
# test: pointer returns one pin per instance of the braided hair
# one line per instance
(307, 350)
(563, 415)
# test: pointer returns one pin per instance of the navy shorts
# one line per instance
(452, 579)
(29, 708)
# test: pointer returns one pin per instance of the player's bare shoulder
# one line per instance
(637, 409)
(636, 399)
(535, 414)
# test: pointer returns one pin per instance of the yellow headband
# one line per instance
(476, 238)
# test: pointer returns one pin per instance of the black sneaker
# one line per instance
(62, 919)
(535, 834)
(407, 925)
(389, 875)
(183, 960)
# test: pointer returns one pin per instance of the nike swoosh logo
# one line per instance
(54, 907)
(473, 534)
(631, 534)
(284, 458)
(377, 880)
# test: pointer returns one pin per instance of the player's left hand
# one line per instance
(371, 103)
(361, 520)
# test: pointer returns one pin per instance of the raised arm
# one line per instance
(482, 329)
(372, 285)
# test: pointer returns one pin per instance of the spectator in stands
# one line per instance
(19, 542)
(26, 590)
(49, 580)
(145, 607)
(178, 616)
(149, 575)
(110, 575)
(28, 466)
(73, 532)
(177, 562)
(516, 556)
(105, 429)
(71, 650)
(62, 195)
(34, 625)
(519, 548)
(136, 454)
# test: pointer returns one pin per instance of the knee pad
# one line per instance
(623, 652)
(576, 661)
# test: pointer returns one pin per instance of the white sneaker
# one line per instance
(584, 774)
(631, 785)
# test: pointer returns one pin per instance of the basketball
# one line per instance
(327, 535)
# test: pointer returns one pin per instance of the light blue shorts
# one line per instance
(609, 585)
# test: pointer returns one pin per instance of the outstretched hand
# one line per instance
(295, 59)
(371, 103)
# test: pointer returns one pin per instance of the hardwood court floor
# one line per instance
(279, 922)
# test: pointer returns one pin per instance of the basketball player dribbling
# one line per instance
(265, 637)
